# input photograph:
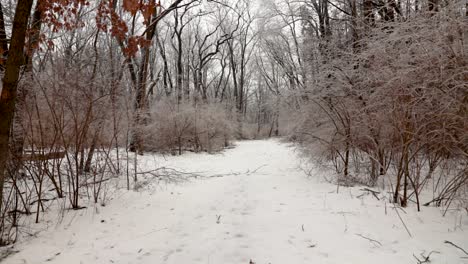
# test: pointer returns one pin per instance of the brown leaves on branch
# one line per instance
(133, 43)
(145, 7)
(62, 14)
(108, 20)
(131, 6)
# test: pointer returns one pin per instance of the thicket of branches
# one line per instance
(99, 82)
(389, 98)
(377, 88)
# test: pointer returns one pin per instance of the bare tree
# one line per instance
(10, 83)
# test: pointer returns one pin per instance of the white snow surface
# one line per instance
(264, 210)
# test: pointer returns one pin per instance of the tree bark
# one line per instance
(368, 8)
(433, 5)
(18, 133)
(3, 40)
(10, 83)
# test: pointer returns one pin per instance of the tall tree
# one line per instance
(32, 44)
(10, 83)
(130, 43)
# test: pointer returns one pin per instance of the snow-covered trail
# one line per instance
(268, 212)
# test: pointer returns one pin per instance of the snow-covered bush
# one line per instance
(174, 128)
(397, 104)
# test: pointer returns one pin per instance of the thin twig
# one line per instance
(254, 171)
(451, 243)
(149, 233)
(6, 253)
(374, 193)
(370, 239)
(407, 230)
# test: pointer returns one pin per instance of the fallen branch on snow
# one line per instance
(248, 172)
(425, 259)
(401, 219)
(168, 172)
(370, 239)
(7, 252)
(374, 193)
(451, 243)
(175, 176)
(53, 257)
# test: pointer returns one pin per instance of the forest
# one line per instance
(373, 91)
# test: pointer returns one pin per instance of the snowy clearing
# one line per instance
(264, 210)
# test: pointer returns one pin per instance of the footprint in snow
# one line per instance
(239, 235)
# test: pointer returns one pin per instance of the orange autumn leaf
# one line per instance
(147, 10)
(131, 6)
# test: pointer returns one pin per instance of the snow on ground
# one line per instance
(266, 210)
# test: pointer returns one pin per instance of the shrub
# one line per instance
(173, 128)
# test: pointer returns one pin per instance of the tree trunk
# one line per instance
(18, 133)
(3, 40)
(354, 25)
(141, 104)
(433, 5)
(10, 83)
(368, 8)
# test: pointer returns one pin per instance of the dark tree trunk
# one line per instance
(141, 103)
(368, 8)
(3, 40)
(10, 82)
(18, 133)
(354, 26)
(433, 6)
